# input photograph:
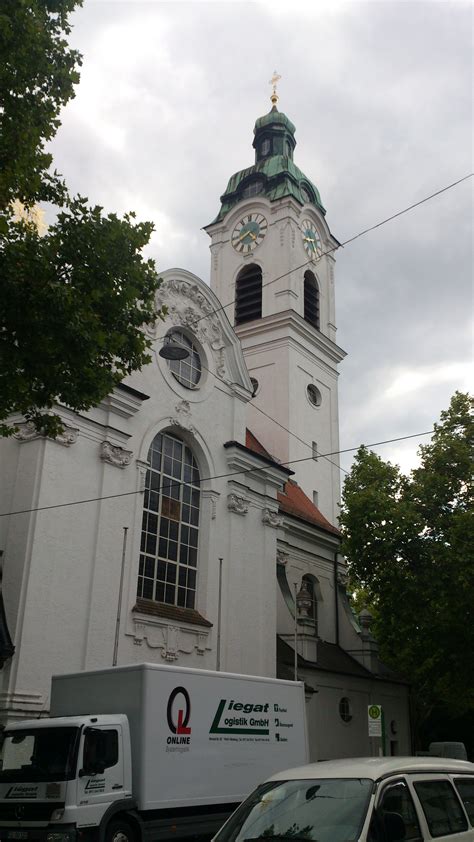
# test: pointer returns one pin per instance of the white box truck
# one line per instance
(146, 752)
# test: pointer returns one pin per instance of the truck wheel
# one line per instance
(119, 831)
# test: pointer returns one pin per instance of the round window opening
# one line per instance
(345, 709)
(255, 385)
(187, 371)
(314, 395)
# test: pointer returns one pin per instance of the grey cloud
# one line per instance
(380, 94)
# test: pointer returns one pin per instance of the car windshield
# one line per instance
(324, 810)
(39, 754)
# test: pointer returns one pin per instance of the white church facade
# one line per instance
(191, 518)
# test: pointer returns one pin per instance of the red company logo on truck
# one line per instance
(180, 728)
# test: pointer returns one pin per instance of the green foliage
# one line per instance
(73, 301)
(37, 76)
(409, 542)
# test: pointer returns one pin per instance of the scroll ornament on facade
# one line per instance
(237, 504)
(28, 432)
(114, 455)
(271, 518)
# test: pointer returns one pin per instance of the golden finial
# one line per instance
(273, 81)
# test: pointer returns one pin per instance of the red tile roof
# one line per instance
(253, 444)
(293, 500)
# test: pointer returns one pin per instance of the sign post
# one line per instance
(376, 724)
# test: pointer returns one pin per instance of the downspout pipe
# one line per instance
(336, 599)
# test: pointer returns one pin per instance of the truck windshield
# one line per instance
(39, 754)
(324, 810)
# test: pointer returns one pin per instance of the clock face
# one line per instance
(311, 239)
(249, 232)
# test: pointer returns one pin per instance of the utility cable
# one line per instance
(174, 484)
(262, 411)
(338, 246)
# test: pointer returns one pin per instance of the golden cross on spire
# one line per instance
(273, 81)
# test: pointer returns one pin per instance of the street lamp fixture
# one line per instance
(170, 350)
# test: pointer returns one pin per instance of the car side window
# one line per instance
(441, 807)
(465, 788)
(396, 801)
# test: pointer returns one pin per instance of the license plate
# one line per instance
(18, 834)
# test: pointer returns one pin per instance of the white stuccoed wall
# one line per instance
(62, 565)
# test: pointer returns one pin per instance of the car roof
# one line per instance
(374, 768)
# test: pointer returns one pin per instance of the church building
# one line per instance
(191, 518)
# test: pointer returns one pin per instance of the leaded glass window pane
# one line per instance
(170, 524)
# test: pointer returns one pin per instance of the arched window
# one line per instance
(312, 614)
(311, 299)
(248, 295)
(170, 526)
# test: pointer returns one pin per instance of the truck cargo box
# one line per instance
(198, 737)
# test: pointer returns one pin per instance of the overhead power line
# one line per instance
(340, 245)
(174, 484)
(297, 268)
(270, 417)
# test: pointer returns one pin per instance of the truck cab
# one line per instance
(60, 777)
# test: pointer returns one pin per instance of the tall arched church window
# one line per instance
(248, 295)
(170, 525)
(311, 299)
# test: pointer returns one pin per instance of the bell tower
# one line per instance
(272, 256)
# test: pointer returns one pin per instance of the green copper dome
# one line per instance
(273, 175)
(274, 117)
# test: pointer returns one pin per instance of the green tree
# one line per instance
(73, 301)
(408, 542)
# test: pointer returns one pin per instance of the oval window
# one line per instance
(187, 371)
(314, 395)
(345, 709)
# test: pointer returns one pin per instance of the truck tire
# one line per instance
(119, 830)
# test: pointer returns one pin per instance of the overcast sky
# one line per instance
(381, 97)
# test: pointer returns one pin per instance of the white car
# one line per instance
(391, 799)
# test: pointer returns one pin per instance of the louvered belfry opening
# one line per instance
(311, 299)
(248, 295)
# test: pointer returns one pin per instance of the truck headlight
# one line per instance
(57, 815)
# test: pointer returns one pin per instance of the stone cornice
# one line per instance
(124, 401)
(254, 467)
(306, 531)
(304, 335)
